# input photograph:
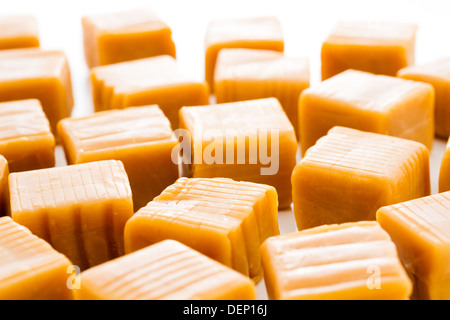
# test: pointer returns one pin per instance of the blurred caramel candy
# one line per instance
(4, 187)
(18, 32)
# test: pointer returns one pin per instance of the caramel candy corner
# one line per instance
(123, 36)
(368, 102)
(140, 137)
(18, 31)
(349, 174)
(350, 261)
(252, 33)
(374, 46)
(420, 228)
(444, 171)
(173, 272)
(79, 209)
(4, 187)
(31, 269)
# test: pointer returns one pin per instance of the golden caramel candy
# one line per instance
(173, 271)
(140, 137)
(245, 74)
(367, 102)
(444, 171)
(127, 35)
(349, 174)
(30, 268)
(350, 261)
(4, 187)
(376, 47)
(251, 33)
(80, 209)
(18, 31)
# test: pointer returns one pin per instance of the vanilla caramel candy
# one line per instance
(38, 74)
(367, 102)
(349, 174)
(140, 137)
(26, 140)
(127, 35)
(376, 47)
(173, 271)
(80, 209)
(30, 268)
(349, 261)
(420, 229)
(436, 73)
(4, 187)
(155, 80)
(444, 170)
(245, 74)
(251, 33)
(249, 140)
(224, 219)
(18, 31)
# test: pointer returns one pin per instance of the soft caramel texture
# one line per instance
(349, 174)
(436, 73)
(18, 32)
(367, 102)
(4, 187)
(123, 36)
(155, 80)
(444, 171)
(30, 268)
(351, 261)
(251, 33)
(38, 74)
(221, 218)
(420, 229)
(80, 210)
(26, 140)
(167, 270)
(376, 47)
(140, 137)
(245, 74)
(241, 130)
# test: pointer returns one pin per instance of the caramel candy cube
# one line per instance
(251, 33)
(376, 47)
(250, 140)
(367, 102)
(350, 261)
(80, 209)
(444, 171)
(38, 74)
(30, 268)
(221, 218)
(18, 32)
(245, 74)
(349, 174)
(173, 271)
(4, 187)
(154, 80)
(122, 36)
(436, 73)
(25, 137)
(420, 228)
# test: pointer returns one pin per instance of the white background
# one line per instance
(305, 25)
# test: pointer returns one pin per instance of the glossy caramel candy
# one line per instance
(18, 31)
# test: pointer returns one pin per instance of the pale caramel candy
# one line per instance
(18, 31)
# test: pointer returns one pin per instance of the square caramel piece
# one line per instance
(378, 47)
(26, 140)
(79, 209)
(140, 137)
(155, 80)
(173, 271)
(38, 74)
(420, 228)
(30, 268)
(436, 73)
(444, 170)
(18, 31)
(250, 140)
(224, 219)
(123, 36)
(251, 33)
(245, 74)
(4, 187)
(367, 102)
(349, 174)
(349, 261)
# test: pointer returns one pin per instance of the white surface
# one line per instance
(305, 25)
